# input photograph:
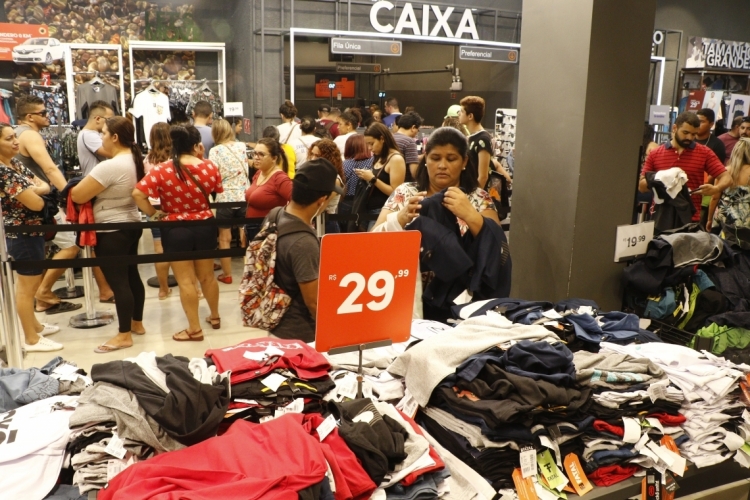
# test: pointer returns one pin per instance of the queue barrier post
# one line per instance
(91, 318)
(10, 324)
(70, 290)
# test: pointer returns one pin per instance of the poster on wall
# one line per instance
(712, 100)
(344, 85)
(26, 43)
(695, 100)
(739, 105)
(715, 53)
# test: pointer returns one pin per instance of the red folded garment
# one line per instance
(82, 214)
(439, 464)
(612, 474)
(602, 426)
(667, 419)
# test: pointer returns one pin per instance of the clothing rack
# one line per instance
(70, 47)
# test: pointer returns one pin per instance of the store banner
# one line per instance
(12, 35)
(345, 85)
(715, 53)
(739, 105)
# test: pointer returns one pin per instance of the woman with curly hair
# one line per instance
(326, 148)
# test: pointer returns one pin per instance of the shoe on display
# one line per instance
(49, 329)
(44, 345)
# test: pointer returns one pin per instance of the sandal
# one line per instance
(110, 300)
(185, 336)
(60, 307)
(214, 322)
(165, 297)
(105, 348)
(224, 279)
(137, 333)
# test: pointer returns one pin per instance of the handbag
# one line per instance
(362, 193)
(51, 208)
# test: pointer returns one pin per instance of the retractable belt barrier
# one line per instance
(149, 258)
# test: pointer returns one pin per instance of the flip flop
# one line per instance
(189, 337)
(110, 300)
(105, 348)
(137, 333)
(60, 307)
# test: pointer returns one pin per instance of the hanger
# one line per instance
(96, 80)
(151, 89)
(204, 86)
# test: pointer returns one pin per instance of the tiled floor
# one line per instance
(162, 318)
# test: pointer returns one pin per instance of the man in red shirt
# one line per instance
(694, 159)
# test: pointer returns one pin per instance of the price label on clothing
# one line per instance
(115, 447)
(366, 288)
(528, 462)
(233, 109)
(633, 240)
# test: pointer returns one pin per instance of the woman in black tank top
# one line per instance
(389, 170)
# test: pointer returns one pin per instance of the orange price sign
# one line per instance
(366, 288)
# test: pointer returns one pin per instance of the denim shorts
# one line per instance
(156, 233)
(26, 247)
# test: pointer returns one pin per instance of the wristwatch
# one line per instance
(373, 180)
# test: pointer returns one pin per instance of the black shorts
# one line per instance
(24, 247)
(230, 213)
(186, 239)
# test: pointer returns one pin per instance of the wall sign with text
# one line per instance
(432, 20)
(715, 53)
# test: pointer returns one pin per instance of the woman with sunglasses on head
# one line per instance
(184, 185)
(111, 182)
(271, 186)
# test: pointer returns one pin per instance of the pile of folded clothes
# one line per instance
(711, 392)
(271, 376)
(139, 407)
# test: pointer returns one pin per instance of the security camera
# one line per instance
(456, 86)
(449, 67)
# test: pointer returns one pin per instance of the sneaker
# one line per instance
(44, 345)
(49, 329)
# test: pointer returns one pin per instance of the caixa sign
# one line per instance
(431, 21)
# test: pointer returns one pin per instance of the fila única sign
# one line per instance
(432, 20)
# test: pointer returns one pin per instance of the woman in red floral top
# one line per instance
(184, 186)
(21, 199)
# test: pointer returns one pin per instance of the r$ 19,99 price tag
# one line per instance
(633, 240)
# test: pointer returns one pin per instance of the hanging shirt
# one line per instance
(182, 199)
(153, 107)
(87, 93)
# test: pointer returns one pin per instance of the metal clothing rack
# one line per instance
(218, 48)
(70, 47)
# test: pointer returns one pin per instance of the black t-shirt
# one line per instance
(479, 141)
(714, 144)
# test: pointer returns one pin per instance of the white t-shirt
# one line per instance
(89, 141)
(32, 446)
(302, 146)
(115, 203)
(153, 107)
(341, 142)
(289, 132)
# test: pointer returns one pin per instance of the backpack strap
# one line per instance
(291, 228)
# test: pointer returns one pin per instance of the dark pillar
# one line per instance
(584, 72)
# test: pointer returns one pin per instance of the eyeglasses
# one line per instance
(260, 155)
(40, 113)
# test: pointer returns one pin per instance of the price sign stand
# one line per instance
(366, 291)
(360, 348)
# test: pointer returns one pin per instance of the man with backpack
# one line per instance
(328, 124)
(282, 296)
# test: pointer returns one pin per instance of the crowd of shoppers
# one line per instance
(189, 167)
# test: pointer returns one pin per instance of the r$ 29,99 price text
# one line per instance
(380, 285)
